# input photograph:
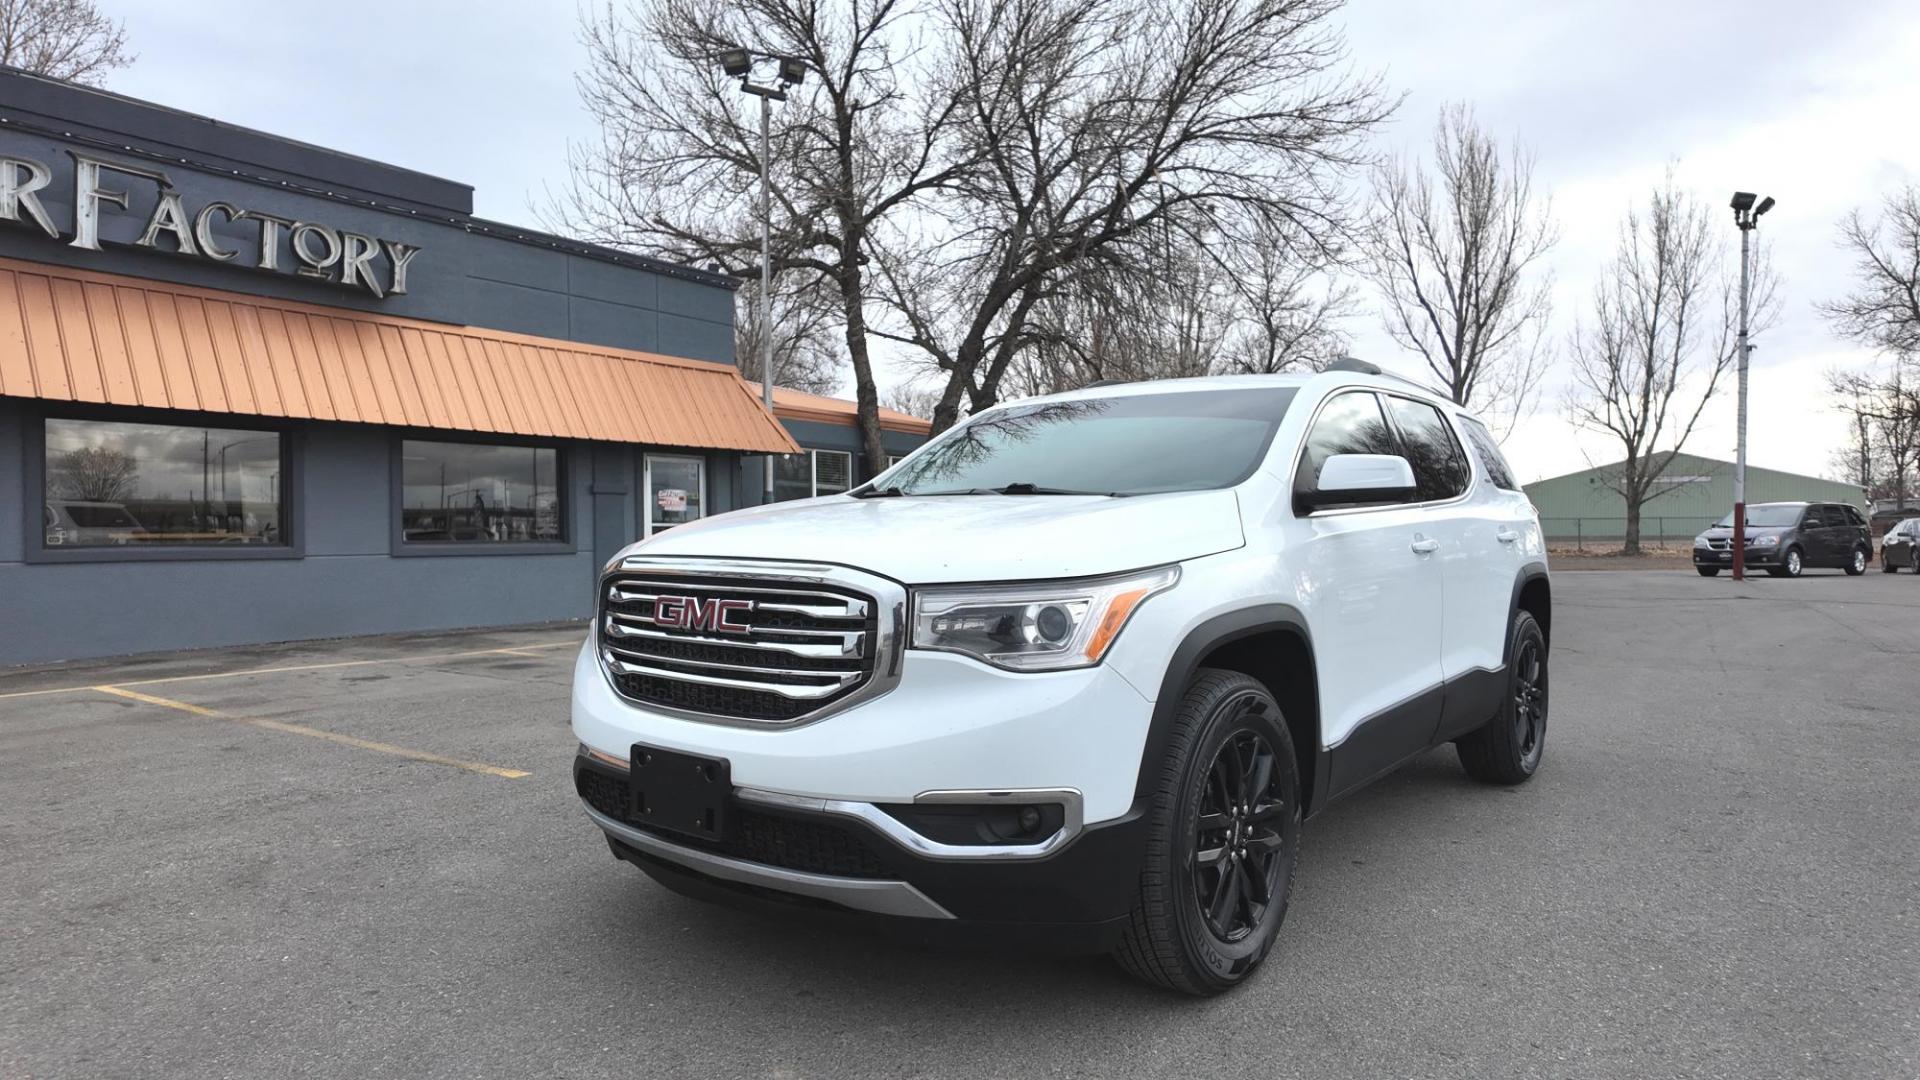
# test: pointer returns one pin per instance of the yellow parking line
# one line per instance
(302, 729)
(518, 650)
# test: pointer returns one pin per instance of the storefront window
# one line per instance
(816, 472)
(479, 493)
(110, 483)
(675, 486)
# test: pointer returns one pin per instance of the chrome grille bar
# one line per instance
(836, 607)
(786, 690)
(850, 645)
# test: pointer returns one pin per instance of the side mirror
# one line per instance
(1361, 479)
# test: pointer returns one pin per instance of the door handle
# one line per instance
(1423, 546)
(1506, 536)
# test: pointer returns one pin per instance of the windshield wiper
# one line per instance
(879, 493)
(1022, 488)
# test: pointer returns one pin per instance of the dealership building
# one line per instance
(255, 390)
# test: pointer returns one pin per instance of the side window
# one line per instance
(1853, 516)
(1351, 423)
(1833, 517)
(1439, 465)
(1488, 450)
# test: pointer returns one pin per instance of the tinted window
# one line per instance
(1777, 516)
(1351, 423)
(1488, 451)
(1137, 444)
(1833, 517)
(479, 493)
(1439, 465)
(150, 485)
(1853, 516)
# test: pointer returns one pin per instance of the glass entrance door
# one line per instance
(676, 491)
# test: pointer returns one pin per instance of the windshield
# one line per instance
(1193, 440)
(1767, 517)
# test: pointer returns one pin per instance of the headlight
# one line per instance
(1700, 542)
(1034, 625)
(1763, 541)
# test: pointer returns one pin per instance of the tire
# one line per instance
(1508, 749)
(1708, 571)
(1885, 566)
(1226, 718)
(1857, 564)
(1792, 564)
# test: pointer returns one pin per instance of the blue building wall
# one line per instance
(345, 581)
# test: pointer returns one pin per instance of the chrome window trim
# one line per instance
(862, 894)
(889, 598)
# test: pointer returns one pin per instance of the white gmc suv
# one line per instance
(1078, 668)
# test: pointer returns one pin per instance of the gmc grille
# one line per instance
(763, 650)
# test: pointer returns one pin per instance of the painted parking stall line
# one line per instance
(314, 733)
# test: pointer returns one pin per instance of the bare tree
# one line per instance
(1095, 122)
(1287, 311)
(677, 166)
(806, 355)
(64, 39)
(1661, 336)
(95, 474)
(1454, 253)
(1883, 420)
(912, 398)
(1883, 311)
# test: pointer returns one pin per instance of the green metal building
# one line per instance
(1694, 492)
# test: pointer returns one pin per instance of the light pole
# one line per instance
(739, 64)
(1745, 216)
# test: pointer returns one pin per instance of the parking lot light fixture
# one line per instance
(739, 63)
(1745, 216)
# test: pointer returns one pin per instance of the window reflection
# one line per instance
(111, 483)
(1349, 424)
(479, 493)
(1130, 445)
(1439, 465)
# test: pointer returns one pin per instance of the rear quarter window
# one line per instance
(1487, 449)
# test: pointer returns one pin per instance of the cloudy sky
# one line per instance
(1810, 103)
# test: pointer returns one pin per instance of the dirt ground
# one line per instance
(1592, 558)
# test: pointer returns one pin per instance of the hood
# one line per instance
(1719, 533)
(927, 539)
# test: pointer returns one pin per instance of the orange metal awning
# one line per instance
(75, 335)
(795, 405)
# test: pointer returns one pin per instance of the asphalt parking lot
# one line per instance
(365, 859)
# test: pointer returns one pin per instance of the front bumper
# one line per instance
(853, 863)
(806, 798)
(1755, 557)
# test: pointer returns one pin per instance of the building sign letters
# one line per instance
(321, 252)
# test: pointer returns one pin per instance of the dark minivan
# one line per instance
(1788, 537)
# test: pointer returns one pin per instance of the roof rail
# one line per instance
(1363, 367)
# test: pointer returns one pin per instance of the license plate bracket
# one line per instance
(681, 793)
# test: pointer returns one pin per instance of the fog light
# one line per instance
(1029, 818)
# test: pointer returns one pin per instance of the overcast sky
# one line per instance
(1811, 103)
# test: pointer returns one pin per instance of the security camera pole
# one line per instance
(1745, 216)
(738, 63)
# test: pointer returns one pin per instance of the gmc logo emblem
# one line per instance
(693, 613)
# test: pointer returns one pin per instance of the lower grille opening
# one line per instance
(791, 843)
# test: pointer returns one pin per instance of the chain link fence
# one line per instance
(1608, 533)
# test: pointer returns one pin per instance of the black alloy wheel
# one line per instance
(1530, 702)
(1507, 749)
(1223, 839)
(1237, 840)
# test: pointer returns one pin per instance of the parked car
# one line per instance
(1079, 668)
(88, 522)
(1785, 538)
(1901, 546)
